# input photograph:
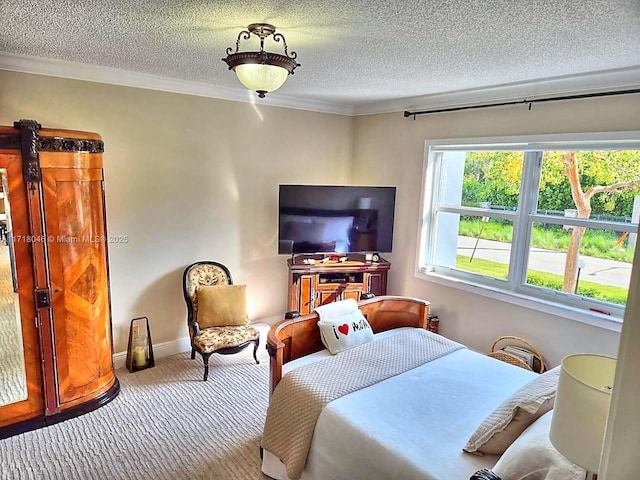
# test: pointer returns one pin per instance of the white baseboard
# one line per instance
(268, 320)
(183, 344)
(160, 350)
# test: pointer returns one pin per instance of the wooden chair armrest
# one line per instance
(484, 474)
(196, 329)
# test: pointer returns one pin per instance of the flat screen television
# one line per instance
(338, 219)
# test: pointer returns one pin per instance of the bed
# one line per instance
(411, 425)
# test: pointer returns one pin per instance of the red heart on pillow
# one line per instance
(344, 329)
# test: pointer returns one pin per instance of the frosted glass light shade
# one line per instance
(260, 77)
(581, 408)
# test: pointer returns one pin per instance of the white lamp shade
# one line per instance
(581, 408)
(259, 77)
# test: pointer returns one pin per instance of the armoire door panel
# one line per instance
(74, 208)
(18, 286)
(54, 231)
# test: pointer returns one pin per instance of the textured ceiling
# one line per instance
(352, 52)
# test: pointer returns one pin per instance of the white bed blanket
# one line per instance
(404, 428)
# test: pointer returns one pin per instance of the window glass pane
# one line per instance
(482, 179)
(604, 184)
(599, 269)
(586, 266)
(484, 246)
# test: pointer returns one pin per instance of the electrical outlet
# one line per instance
(135, 331)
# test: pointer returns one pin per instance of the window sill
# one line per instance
(591, 318)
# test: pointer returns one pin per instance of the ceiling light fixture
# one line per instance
(262, 72)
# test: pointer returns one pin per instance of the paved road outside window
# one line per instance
(597, 270)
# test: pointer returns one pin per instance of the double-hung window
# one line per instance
(551, 220)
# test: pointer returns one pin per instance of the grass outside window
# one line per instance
(598, 244)
(537, 278)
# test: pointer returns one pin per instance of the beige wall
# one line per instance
(192, 178)
(389, 150)
(188, 178)
(622, 439)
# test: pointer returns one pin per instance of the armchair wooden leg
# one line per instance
(193, 353)
(205, 359)
(255, 351)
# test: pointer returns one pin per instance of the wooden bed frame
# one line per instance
(296, 337)
(293, 338)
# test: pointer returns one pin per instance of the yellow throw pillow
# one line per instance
(221, 305)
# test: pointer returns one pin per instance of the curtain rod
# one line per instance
(407, 113)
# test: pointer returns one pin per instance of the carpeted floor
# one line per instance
(165, 424)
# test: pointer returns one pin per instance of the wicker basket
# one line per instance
(497, 351)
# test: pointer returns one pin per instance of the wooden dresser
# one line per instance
(313, 283)
(60, 349)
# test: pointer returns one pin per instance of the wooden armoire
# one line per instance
(60, 360)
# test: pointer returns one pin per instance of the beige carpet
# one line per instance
(165, 424)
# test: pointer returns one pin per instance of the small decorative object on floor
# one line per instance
(519, 352)
(140, 348)
(433, 322)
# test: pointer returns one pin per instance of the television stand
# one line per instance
(319, 279)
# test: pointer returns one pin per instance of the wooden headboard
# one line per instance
(296, 337)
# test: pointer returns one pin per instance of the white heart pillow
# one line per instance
(345, 332)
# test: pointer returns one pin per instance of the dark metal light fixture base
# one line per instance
(262, 30)
(236, 58)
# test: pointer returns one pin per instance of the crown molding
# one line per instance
(556, 86)
(125, 78)
(566, 85)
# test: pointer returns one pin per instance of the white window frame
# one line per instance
(514, 291)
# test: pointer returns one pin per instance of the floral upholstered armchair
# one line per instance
(216, 312)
